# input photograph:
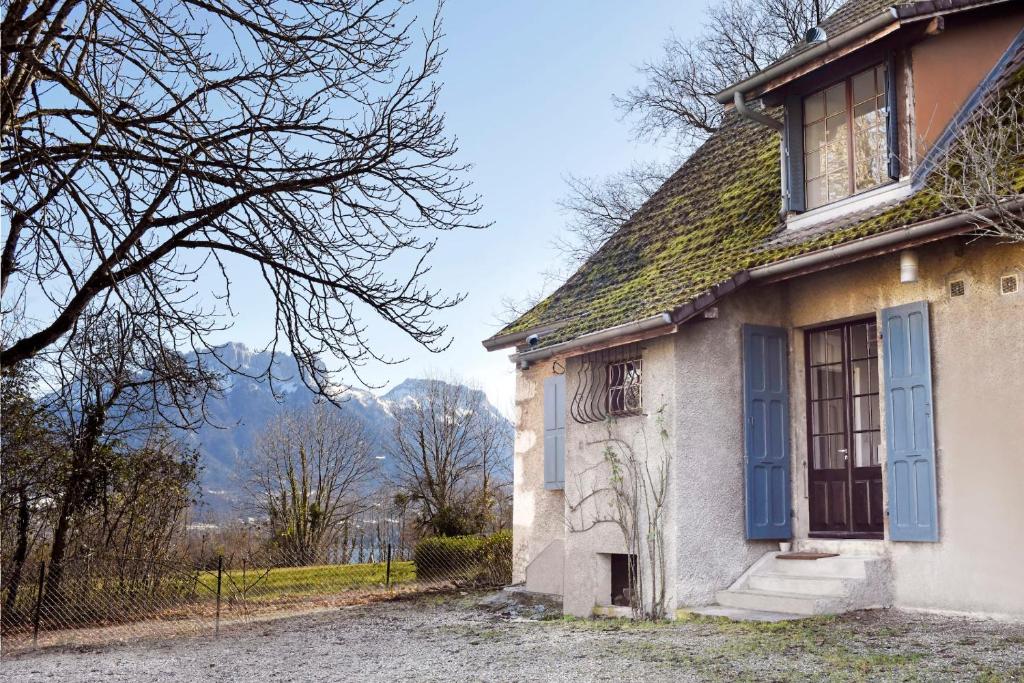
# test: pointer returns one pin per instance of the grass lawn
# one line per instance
(263, 584)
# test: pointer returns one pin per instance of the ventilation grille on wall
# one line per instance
(1009, 284)
(957, 288)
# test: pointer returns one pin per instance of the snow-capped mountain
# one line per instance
(247, 404)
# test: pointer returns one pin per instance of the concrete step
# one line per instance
(777, 601)
(804, 585)
(843, 567)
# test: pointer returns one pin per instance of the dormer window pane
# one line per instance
(835, 99)
(814, 107)
(848, 154)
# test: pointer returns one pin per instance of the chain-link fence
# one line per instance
(91, 601)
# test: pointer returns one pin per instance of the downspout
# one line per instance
(758, 117)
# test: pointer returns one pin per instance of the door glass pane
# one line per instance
(865, 413)
(864, 378)
(828, 417)
(827, 382)
(866, 447)
(862, 341)
(827, 455)
(836, 445)
(833, 346)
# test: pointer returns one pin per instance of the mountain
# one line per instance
(246, 405)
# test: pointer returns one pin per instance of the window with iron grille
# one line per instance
(607, 383)
(625, 387)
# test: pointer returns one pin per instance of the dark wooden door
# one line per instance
(845, 474)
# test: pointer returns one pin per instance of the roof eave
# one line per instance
(510, 339)
(885, 20)
(883, 24)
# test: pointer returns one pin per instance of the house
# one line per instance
(821, 347)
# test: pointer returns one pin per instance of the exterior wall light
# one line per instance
(908, 266)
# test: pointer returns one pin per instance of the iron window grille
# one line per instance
(609, 383)
(625, 387)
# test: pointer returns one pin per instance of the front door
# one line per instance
(845, 473)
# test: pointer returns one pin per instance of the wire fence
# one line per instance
(94, 602)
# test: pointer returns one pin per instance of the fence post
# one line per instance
(387, 570)
(39, 603)
(220, 570)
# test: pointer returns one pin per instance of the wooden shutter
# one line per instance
(554, 432)
(910, 431)
(892, 127)
(766, 432)
(794, 145)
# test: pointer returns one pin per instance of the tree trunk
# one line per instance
(20, 552)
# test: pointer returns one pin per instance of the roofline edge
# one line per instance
(635, 327)
(879, 21)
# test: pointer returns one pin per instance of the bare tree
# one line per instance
(980, 174)
(150, 146)
(30, 455)
(739, 38)
(676, 101)
(628, 489)
(309, 477)
(448, 448)
(597, 207)
(106, 388)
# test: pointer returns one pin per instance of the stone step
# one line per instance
(844, 567)
(777, 601)
(804, 585)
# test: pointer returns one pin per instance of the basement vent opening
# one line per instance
(1009, 284)
(622, 567)
(957, 288)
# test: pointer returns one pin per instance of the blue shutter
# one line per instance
(892, 125)
(910, 429)
(554, 432)
(793, 135)
(766, 432)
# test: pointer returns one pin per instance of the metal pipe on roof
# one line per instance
(758, 117)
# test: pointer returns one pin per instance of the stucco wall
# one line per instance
(978, 384)
(537, 514)
(711, 545)
(978, 377)
(948, 67)
(587, 566)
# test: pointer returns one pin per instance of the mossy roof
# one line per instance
(715, 218)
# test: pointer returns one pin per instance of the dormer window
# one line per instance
(842, 145)
(845, 149)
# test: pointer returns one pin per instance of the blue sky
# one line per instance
(527, 91)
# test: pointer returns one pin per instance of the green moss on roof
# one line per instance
(694, 232)
(716, 217)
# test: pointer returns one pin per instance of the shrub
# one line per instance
(441, 557)
(496, 558)
(483, 560)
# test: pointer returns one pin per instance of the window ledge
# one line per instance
(885, 194)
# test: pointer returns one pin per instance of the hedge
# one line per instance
(479, 559)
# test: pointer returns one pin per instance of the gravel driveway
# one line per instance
(455, 639)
